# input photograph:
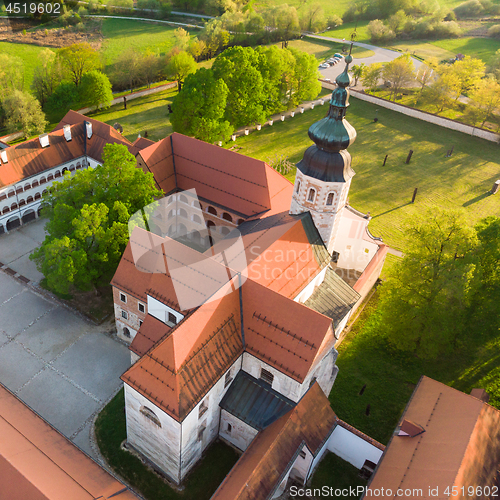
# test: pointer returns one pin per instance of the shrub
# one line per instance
(470, 8)
(494, 31)
(334, 21)
(379, 32)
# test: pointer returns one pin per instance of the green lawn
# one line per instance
(481, 48)
(390, 376)
(29, 55)
(346, 29)
(201, 483)
(148, 113)
(463, 180)
(336, 473)
(121, 34)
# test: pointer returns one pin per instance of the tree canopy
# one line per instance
(88, 213)
(79, 59)
(95, 90)
(181, 65)
(199, 109)
(423, 303)
(23, 112)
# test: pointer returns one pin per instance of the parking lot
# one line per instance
(62, 366)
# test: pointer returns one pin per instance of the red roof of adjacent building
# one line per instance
(259, 470)
(29, 158)
(242, 184)
(460, 445)
(39, 463)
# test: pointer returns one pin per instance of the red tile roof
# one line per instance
(242, 184)
(259, 470)
(460, 445)
(151, 332)
(39, 463)
(29, 158)
(283, 333)
(182, 368)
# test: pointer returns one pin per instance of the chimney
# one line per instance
(44, 140)
(89, 129)
(67, 132)
(3, 156)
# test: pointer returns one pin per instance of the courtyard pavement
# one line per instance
(60, 365)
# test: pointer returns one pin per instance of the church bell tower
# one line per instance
(324, 174)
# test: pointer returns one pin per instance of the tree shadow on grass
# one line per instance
(476, 199)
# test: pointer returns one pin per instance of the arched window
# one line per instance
(211, 210)
(29, 199)
(22, 203)
(50, 177)
(171, 214)
(297, 189)
(329, 200)
(311, 195)
(210, 224)
(183, 199)
(13, 206)
(183, 213)
(197, 219)
(57, 174)
(3, 196)
(196, 204)
(78, 166)
(11, 193)
(19, 189)
(6, 210)
(44, 192)
(170, 200)
(65, 169)
(37, 196)
(126, 332)
(241, 221)
(72, 168)
(27, 186)
(227, 217)
(151, 415)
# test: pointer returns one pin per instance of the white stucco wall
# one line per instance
(162, 444)
(352, 448)
(241, 434)
(160, 311)
(309, 289)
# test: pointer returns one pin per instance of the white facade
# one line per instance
(161, 311)
(23, 198)
(235, 431)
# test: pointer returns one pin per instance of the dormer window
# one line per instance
(311, 195)
(329, 200)
(172, 318)
(266, 376)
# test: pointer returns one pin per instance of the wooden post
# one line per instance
(385, 159)
(124, 102)
(414, 195)
(496, 187)
(409, 156)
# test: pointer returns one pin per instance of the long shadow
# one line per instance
(392, 210)
(477, 198)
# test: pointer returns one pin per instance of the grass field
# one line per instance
(336, 473)
(390, 376)
(148, 113)
(346, 29)
(464, 180)
(121, 34)
(29, 55)
(201, 482)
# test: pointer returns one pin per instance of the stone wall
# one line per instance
(427, 117)
(240, 435)
(134, 316)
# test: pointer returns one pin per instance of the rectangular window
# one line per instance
(124, 315)
(141, 308)
(228, 379)
(302, 454)
(200, 433)
(229, 428)
(123, 297)
(266, 376)
(202, 408)
(172, 318)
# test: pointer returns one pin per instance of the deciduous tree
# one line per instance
(199, 108)
(95, 90)
(11, 74)
(88, 217)
(371, 75)
(79, 59)
(23, 112)
(180, 65)
(486, 99)
(400, 73)
(357, 72)
(47, 76)
(423, 303)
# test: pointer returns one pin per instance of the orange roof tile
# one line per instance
(151, 331)
(281, 332)
(460, 445)
(181, 369)
(272, 452)
(39, 463)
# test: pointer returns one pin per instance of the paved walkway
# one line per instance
(62, 366)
